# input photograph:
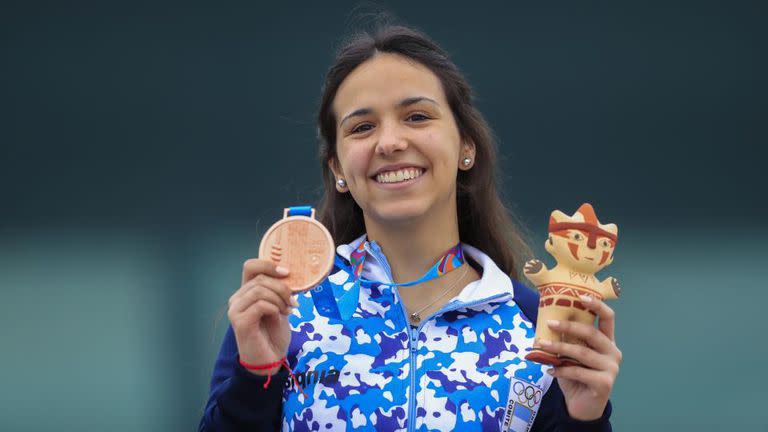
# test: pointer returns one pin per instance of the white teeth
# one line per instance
(399, 175)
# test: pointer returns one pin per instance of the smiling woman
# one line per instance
(404, 124)
(410, 196)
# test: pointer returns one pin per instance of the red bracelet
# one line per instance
(283, 361)
(261, 367)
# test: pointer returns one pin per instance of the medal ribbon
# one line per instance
(451, 260)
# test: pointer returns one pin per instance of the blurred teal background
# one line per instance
(144, 149)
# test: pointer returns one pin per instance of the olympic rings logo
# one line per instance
(527, 394)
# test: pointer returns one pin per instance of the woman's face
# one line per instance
(397, 143)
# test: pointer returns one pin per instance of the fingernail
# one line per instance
(294, 302)
(545, 342)
(585, 299)
(553, 323)
(281, 270)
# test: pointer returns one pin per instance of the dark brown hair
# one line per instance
(484, 222)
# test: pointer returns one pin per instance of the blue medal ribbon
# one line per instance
(336, 302)
(450, 260)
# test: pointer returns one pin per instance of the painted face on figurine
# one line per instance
(581, 242)
(573, 247)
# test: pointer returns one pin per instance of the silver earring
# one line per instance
(467, 161)
(341, 183)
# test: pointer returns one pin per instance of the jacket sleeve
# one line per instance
(553, 413)
(237, 400)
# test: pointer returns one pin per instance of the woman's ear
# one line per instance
(338, 174)
(333, 164)
(467, 156)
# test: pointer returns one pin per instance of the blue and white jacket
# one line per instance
(362, 366)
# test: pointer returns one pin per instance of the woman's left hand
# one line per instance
(587, 388)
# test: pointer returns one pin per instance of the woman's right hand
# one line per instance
(259, 311)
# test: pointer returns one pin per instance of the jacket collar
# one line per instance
(493, 282)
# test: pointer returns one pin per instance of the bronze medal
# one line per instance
(303, 245)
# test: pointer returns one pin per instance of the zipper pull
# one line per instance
(414, 339)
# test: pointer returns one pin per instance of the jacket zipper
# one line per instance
(413, 339)
(414, 332)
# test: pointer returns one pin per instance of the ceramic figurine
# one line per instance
(582, 246)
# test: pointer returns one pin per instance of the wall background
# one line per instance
(144, 149)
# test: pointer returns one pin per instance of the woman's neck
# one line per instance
(413, 247)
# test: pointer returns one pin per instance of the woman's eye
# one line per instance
(417, 117)
(365, 127)
(577, 236)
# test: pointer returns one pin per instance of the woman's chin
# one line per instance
(399, 213)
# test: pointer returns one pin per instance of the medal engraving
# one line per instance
(304, 246)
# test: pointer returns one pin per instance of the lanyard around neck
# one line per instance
(450, 260)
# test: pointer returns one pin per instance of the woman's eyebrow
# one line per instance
(356, 113)
(403, 103)
(412, 100)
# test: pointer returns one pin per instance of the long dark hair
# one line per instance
(484, 222)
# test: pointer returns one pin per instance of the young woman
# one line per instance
(409, 197)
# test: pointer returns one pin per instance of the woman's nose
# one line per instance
(391, 139)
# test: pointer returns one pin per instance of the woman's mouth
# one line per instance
(399, 176)
(396, 179)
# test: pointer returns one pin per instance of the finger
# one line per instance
(256, 294)
(278, 287)
(588, 333)
(258, 311)
(266, 293)
(254, 267)
(583, 354)
(262, 309)
(598, 382)
(251, 270)
(242, 290)
(605, 314)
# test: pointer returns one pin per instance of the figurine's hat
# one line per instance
(584, 220)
